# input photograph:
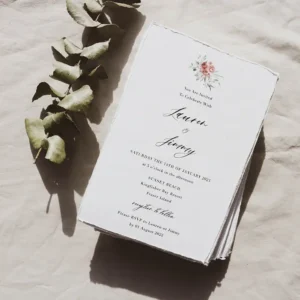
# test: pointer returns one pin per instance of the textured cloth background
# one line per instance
(45, 254)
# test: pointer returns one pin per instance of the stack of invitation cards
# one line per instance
(172, 170)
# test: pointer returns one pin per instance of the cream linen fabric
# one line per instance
(51, 256)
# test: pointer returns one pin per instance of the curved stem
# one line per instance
(37, 155)
(87, 42)
(68, 90)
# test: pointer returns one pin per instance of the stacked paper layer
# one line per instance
(173, 168)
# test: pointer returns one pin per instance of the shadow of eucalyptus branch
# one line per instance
(115, 59)
(83, 149)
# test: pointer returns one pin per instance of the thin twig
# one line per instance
(38, 154)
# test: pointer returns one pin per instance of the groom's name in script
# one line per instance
(182, 150)
(161, 211)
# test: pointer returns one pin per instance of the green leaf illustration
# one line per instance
(93, 6)
(56, 149)
(80, 15)
(95, 51)
(78, 101)
(36, 132)
(70, 47)
(44, 88)
(66, 73)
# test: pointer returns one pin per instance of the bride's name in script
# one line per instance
(180, 114)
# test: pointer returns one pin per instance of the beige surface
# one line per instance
(50, 256)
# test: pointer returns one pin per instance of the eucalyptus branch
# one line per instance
(73, 69)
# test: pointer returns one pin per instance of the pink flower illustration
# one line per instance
(204, 69)
(211, 67)
(207, 68)
(206, 72)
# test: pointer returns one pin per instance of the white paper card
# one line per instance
(178, 148)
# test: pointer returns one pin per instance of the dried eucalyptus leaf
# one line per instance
(80, 15)
(108, 30)
(44, 88)
(61, 55)
(36, 132)
(95, 51)
(66, 73)
(98, 72)
(54, 108)
(59, 46)
(54, 116)
(70, 47)
(78, 101)
(93, 6)
(53, 119)
(120, 4)
(56, 149)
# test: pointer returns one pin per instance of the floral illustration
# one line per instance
(205, 71)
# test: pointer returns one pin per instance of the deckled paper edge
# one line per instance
(259, 129)
(206, 261)
(117, 235)
(250, 152)
(226, 243)
(213, 47)
(121, 102)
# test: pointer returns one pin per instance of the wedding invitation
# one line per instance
(172, 170)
